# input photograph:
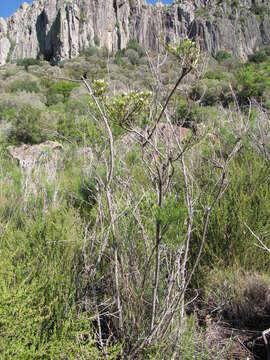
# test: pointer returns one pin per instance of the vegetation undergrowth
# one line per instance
(103, 239)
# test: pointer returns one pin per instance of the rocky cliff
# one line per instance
(58, 29)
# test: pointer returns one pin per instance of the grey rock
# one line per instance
(4, 42)
(59, 29)
(4, 50)
(29, 155)
(3, 26)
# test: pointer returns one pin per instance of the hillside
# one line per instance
(134, 195)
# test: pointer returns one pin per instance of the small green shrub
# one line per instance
(78, 105)
(88, 52)
(29, 126)
(217, 74)
(235, 3)
(238, 298)
(193, 345)
(118, 58)
(223, 55)
(132, 56)
(252, 80)
(59, 91)
(9, 73)
(266, 49)
(257, 57)
(7, 113)
(212, 91)
(96, 41)
(246, 201)
(28, 62)
(103, 52)
(39, 318)
(134, 45)
(20, 85)
(16, 100)
(260, 11)
(189, 111)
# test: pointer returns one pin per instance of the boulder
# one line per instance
(30, 155)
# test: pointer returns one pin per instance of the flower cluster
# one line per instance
(99, 87)
(126, 106)
(187, 52)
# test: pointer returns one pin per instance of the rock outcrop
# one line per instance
(4, 42)
(30, 155)
(59, 29)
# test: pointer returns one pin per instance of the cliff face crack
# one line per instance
(69, 21)
(49, 38)
(118, 33)
(41, 30)
(115, 7)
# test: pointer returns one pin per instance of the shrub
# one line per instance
(266, 49)
(16, 100)
(7, 113)
(103, 52)
(245, 202)
(239, 298)
(5, 131)
(260, 11)
(77, 129)
(183, 108)
(134, 45)
(38, 289)
(223, 55)
(96, 41)
(212, 91)
(252, 80)
(118, 58)
(29, 126)
(257, 57)
(88, 52)
(20, 85)
(216, 74)
(60, 91)
(10, 71)
(188, 111)
(67, 128)
(28, 62)
(132, 56)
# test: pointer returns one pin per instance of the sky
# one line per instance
(7, 7)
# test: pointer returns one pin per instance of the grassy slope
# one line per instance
(44, 213)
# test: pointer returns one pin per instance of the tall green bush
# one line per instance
(246, 202)
(28, 126)
(39, 316)
(62, 89)
(42, 288)
(20, 85)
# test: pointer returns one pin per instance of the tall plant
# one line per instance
(156, 209)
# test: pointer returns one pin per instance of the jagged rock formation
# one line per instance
(4, 42)
(58, 29)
